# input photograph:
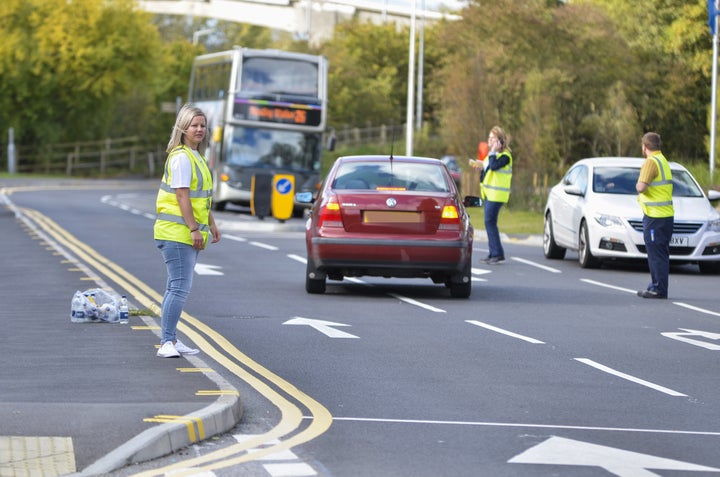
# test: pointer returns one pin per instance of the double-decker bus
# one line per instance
(266, 113)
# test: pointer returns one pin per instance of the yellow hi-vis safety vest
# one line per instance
(170, 224)
(496, 184)
(656, 201)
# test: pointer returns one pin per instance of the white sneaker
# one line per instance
(183, 349)
(167, 350)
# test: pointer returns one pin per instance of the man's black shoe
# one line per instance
(650, 294)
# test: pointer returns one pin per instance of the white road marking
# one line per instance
(684, 337)
(324, 327)
(297, 258)
(234, 237)
(203, 269)
(264, 245)
(504, 332)
(607, 285)
(480, 271)
(417, 303)
(524, 425)
(283, 468)
(695, 308)
(623, 463)
(535, 264)
(619, 374)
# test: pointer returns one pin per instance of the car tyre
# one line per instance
(314, 285)
(462, 289)
(709, 268)
(550, 248)
(585, 256)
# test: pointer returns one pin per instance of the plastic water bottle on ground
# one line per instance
(77, 312)
(124, 311)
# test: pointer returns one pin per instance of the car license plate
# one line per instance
(391, 217)
(679, 241)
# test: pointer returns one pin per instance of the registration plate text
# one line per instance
(679, 241)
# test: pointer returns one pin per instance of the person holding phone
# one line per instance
(495, 180)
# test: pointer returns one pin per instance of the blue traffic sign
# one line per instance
(283, 186)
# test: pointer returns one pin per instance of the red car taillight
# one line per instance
(450, 218)
(330, 214)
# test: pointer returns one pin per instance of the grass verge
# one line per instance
(510, 221)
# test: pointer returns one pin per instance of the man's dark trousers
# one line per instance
(657, 233)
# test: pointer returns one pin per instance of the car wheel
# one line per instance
(313, 281)
(585, 256)
(550, 248)
(459, 288)
(709, 268)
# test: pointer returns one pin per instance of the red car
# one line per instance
(389, 216)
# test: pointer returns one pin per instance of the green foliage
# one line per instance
(565, 79)
(368, 74)
(64, 65)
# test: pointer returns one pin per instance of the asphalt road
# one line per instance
(547, 369)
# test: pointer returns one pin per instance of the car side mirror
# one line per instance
(573, 190)
(472, 201)
(304, 197)
(713, 195)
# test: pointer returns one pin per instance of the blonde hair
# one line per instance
(187, 113)
(502, 137)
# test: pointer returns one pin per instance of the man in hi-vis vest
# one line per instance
(654, 187)
(184, 220)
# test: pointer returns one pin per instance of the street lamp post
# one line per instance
(411, 87)
(713, 21)
(199, 33)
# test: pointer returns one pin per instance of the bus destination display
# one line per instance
(277, 112)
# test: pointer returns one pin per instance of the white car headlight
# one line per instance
(608, 220)
(714, 225)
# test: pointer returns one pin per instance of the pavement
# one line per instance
(86, 399)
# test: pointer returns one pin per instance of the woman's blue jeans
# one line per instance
(180, 259)
(492, 210)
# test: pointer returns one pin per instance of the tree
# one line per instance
(368, 74)
(536, 68)
(64, 64)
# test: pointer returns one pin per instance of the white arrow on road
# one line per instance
(324, 327)
(202, 269)
(698, 333)
(562, 451)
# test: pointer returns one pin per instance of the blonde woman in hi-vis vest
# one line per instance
(495, 181)
(184, 221)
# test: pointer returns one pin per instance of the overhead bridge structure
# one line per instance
(311, 19)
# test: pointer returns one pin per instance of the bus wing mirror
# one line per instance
(331, 143)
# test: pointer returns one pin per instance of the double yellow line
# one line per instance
(281, 393)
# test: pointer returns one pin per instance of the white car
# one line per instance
(594, 210)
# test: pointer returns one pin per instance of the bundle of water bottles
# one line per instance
(98, 306)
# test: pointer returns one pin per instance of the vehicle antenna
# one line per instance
(392, 146)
